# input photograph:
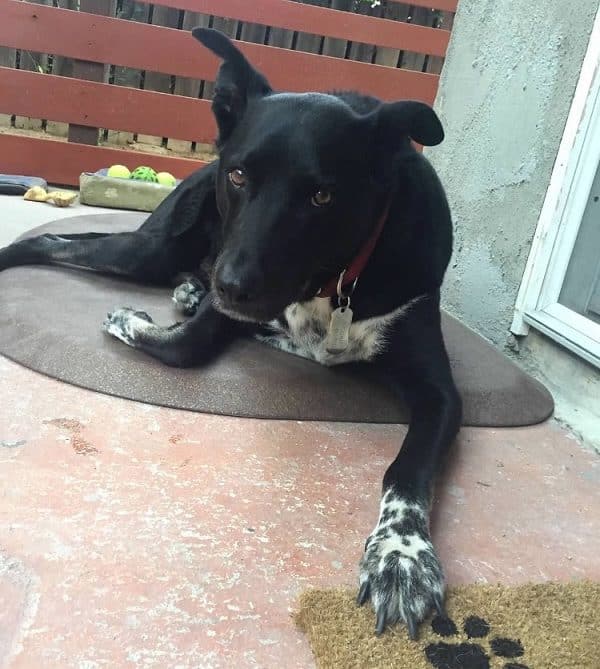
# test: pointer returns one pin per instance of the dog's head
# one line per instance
(302, 181)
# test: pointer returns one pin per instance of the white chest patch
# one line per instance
(307, 326)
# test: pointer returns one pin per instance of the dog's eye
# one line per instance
(322, 198)
(237, 178)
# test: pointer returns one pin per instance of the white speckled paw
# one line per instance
(125, 324)
(400, 572)
(187, 296)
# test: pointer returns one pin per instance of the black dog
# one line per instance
(314, 198)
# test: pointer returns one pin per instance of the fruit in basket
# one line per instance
(144, 173)
(166, 179)
(119, 172)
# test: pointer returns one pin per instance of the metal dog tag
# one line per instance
(336, 340)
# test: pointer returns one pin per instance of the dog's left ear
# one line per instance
(408, 117)
(237, 81)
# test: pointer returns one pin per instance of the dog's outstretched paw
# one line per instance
(400, 572)
(188, 295)
(126, 324)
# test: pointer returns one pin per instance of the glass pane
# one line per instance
(581, 287)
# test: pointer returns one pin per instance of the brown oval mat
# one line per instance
(541, 626)
(50, 321)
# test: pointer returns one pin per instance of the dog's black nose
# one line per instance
(233, 290)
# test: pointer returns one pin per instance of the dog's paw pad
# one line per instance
(125, 324)
(143, 315)
(187, 296)
(468, 655)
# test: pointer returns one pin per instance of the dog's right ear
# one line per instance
(408, 117)
(237, 81)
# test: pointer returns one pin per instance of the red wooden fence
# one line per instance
(94, 40)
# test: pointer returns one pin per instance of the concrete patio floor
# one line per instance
(138, 536)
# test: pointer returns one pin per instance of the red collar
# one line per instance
(350, 275)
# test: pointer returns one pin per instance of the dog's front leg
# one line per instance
(400, 572)
(186, 344)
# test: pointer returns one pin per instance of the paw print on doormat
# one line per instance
(471, 655)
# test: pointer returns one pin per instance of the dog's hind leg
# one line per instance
(175, 238)
(80, 235)
(144, 257)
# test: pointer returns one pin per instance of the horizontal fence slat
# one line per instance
(170, 51)
(445, 5)
(62, 162)
(105, 106)
(324, 22)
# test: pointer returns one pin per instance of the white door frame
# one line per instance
(567, 196)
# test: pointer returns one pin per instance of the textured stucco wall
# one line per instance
(504, 97)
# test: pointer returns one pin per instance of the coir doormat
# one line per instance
(535, 626)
